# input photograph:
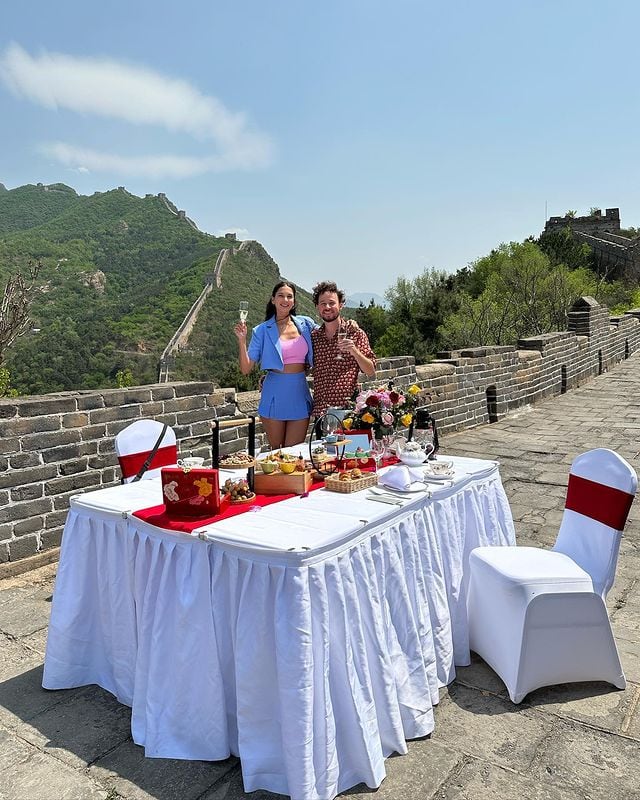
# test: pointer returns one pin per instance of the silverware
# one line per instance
(379, 498)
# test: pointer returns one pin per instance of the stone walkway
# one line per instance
(574, 742)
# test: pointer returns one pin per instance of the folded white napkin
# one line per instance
(401, 477)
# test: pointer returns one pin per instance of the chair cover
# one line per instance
(134, 443)
(538, 617)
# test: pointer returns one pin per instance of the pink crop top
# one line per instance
(294, 351)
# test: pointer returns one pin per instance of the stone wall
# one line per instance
(54, 446)
(57, 445)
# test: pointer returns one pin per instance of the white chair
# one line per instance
(538, 617)
(135, 443)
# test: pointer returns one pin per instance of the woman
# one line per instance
(282, 346)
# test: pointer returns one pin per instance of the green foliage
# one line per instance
(124, 378)
(417, 309)
(372, 319)
(5, 384)
(561, 248)
(524, 295)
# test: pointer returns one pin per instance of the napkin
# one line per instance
(401, 477)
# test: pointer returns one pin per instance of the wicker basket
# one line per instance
(334, 484)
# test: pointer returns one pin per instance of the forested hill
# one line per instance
(119, 273)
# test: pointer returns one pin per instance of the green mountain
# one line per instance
(119, 273)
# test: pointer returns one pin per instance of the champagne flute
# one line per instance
(342, 335)
(244, 310)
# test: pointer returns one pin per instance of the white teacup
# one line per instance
(191, 462)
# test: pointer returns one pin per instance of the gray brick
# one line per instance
(113, 414)
(47, 405)
(45, 441)
(72, 467)
(22, 460)
(4, 498)
(138, 395)
(8, 410)
(30, 525)
(4, 552)
(6, 531)
(24, 426)
(89, 400)
(71, 482)
(65, 453)
(9, 444)
(191, 389)
(162, 393)
(21, 476)
(19, 511)
(200, 415)
(23, 547)
(30, 492)
(184, 404)
(90, 432)
(79, 419)
(114, 398)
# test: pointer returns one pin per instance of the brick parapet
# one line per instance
(58, 445)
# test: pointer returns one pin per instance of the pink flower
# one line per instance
(387, 418)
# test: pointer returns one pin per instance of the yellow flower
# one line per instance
(414, 389)
(405, 419)
(368, 418)
(347, 423)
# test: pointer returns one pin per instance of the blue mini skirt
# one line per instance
(285, 396)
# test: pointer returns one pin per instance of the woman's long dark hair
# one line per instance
(271, 309)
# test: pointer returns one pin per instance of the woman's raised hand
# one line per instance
(240, 330)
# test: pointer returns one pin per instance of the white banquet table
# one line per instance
(310, 638)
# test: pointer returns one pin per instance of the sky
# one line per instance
(357, 140)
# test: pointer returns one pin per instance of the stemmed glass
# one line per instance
(379, 448)
(244, 310)
(342, 335)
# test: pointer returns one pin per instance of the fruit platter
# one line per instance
(238, 491)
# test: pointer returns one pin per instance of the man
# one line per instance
(337, 364)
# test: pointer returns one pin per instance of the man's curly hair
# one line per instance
(327, 286)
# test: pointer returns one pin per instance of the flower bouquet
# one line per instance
(383, 410)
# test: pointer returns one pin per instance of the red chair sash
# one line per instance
(595, 500)
(164, 457)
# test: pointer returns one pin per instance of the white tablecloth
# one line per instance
(310, 638)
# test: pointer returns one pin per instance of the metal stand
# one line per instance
(216, 426)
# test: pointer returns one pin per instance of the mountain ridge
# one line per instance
(119, 274)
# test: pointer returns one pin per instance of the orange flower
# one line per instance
(368, 418)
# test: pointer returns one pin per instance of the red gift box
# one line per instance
(190, 492)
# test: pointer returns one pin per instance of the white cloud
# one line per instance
(139, 96)
(241, 233)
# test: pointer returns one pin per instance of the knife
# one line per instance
(378, 498)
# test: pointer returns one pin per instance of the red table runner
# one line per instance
(157, 515)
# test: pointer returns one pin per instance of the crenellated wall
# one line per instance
(54, 446)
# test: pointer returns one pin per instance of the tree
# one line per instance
(420, 306)
(524, 295)
(373, 320)
(15, 306)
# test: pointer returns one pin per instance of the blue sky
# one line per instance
(356, 140)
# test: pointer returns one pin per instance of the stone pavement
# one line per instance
(573, 742)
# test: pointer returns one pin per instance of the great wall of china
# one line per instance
(58, 445)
